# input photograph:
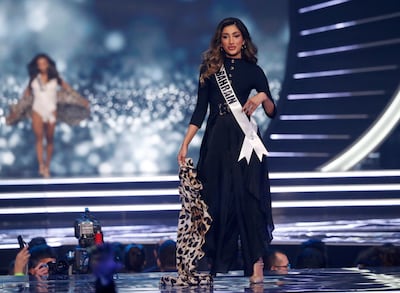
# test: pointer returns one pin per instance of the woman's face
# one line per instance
(232, 41)
(42, 64)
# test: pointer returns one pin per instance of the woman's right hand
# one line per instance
(182, 154)
(11, 117)
(192, 129)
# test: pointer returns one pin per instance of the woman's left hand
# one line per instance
(253, 103)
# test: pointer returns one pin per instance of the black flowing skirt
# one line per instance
(238, 197)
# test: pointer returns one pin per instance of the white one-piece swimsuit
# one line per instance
(45, 98)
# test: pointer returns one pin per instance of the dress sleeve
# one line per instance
(202, 104)
(261, 85)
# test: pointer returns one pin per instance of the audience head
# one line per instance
(277, 262)
(391, 255)
(104, 265)
(118, 250)
(386, 255)
(37, 241)
(312, 255)
(135, 258)
(166, 256)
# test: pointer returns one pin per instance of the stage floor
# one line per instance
(327, 280)
(343, 232)
(348, 208)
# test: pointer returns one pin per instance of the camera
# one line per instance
(88, 232)
(59, 267)
(87, 229)
(21, 242)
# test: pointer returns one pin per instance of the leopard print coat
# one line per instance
(194, 222)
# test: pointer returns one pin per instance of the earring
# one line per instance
(221, 49)
(244, 46)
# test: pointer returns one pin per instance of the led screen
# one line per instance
(136, 62)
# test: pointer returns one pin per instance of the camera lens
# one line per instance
(58, 268)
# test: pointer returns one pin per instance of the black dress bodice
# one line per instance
(245, 77)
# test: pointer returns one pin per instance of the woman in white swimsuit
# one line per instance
(44, 81)
(41, 98)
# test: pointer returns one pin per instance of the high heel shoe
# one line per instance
(42, 168)
(258, 272)
(46, 172)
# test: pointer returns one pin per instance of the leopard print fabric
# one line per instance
(194, 222)
(71, 108)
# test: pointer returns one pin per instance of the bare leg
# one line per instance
(258, 272)
(50, 129)
(37, 126)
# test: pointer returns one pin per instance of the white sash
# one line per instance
(249, 127)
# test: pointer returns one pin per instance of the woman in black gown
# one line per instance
(236, 191)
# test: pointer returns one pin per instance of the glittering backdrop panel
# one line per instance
(137, 62)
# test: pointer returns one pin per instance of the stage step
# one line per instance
(135, 207)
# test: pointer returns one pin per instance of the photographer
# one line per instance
(104, 266)
(41, 256)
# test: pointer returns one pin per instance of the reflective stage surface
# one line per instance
(328, 280)
(349, 208)
(347, 211)
(343, 232)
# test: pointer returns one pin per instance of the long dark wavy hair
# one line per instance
(33, 69)
(213, 58)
